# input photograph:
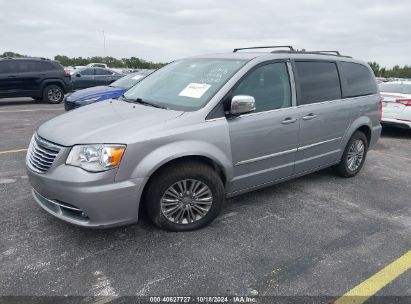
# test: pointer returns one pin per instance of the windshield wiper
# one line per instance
(147, 103)
(143, 102)
(122, 97)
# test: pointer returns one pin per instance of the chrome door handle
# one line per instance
(309, 116)
(289, 120)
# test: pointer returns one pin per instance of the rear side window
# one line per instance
(317, 81)
(88, 72)
(45, 66)
(356, 79)
(103, 72)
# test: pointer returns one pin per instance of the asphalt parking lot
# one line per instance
(319, 235)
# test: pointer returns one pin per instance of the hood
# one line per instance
(95, 91)
(110, 121)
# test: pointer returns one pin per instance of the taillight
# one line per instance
(66, 73)
(380, 109)
(405, 102)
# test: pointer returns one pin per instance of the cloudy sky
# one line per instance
(163, 30)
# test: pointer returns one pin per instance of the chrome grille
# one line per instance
(41, 154)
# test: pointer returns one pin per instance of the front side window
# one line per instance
(318, 81)
(185, 85)
(269, 85)
(357, 80)
(44, 66)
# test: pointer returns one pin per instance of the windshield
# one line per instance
(130, 80)
(185, 85)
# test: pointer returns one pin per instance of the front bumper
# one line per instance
(396, 123)
(87, 199)
(69, 104)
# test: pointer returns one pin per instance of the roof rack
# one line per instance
(265, 47)
(327, 52)
(293, 51)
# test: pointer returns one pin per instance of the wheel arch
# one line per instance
(362, 124)
(57, 82)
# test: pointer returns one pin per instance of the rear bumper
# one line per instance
(375, 135)
(97, 204)
(396, 123)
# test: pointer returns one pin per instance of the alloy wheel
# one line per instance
(355, 155)
(186, 201)
(54, 95)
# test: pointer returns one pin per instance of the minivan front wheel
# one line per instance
(184, 197)
(53, 94)
(354, 155)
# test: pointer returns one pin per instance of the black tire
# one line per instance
(343, 168)
(169, 176)
(53, 94)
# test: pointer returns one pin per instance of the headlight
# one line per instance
(89, 100)
(96, 158)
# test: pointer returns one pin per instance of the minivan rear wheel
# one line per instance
(354, 155)
(185, 196)
(53, 94)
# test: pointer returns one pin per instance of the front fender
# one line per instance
(166, 153)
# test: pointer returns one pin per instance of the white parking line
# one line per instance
(33, 110)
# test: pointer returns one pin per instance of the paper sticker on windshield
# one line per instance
(137, 77)
(195, 90)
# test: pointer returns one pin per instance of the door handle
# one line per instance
(289, 120)
(12, 76)
(309, 116)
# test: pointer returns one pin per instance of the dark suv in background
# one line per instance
(39, 78)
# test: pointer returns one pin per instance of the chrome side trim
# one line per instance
(216, 119)
(318, 143)
(55, 202)
(252, 160)
(268, 111)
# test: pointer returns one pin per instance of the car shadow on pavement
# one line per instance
(236, 205)
(398, 133)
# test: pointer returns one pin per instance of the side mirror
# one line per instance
(78, 75)
(242, 104)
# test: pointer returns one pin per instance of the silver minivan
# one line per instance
(202, 129)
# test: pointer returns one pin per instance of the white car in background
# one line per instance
(396, 103)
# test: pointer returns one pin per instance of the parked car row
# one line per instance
(100, 93)
(47, 80)
(396, 97)
(38, 78)
(201, 129)
(93, 76)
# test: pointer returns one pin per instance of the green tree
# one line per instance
(375, 67)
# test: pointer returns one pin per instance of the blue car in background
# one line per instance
(95, 94)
